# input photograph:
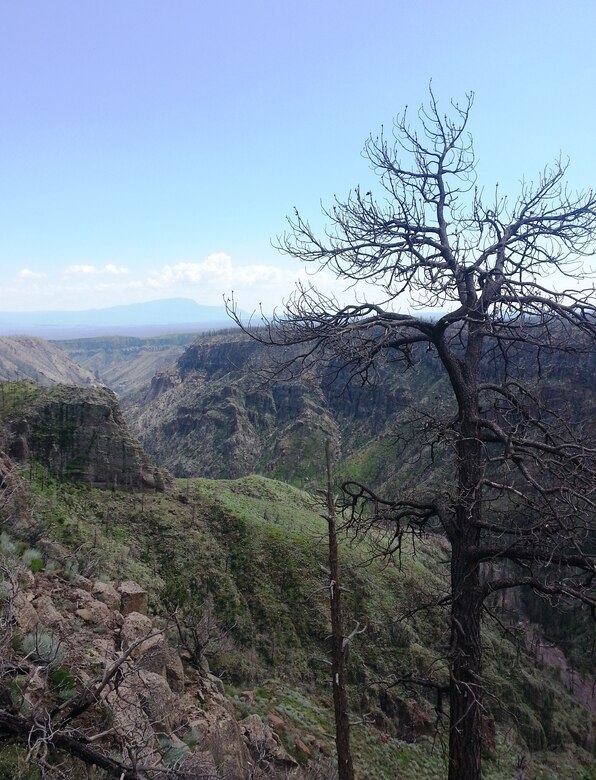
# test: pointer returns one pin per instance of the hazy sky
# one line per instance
(152, 149)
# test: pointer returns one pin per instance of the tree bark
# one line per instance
(465, 707)
(465, 733)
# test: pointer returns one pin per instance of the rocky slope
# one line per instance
(26, 357)
(121, 604)
(86, 661)
(119, 608)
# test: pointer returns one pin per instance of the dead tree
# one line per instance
(503, 282)
(339, 642)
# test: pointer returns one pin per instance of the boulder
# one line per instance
(133, 598)
(158, 701)
(107, 593)
(277, 724)
(25, 615)
(264, 746)
(46, 611)
(135, 627)
(199, 764)
(164, 660)
(132, 725)
(219, 734)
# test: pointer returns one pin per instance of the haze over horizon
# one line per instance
(162, 316)
(152, 151)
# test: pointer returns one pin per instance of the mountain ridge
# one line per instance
(146, 317)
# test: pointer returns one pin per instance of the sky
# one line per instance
(153, 149)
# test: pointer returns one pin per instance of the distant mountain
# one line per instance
(170, 314)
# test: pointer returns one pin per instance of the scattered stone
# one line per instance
(85, 614)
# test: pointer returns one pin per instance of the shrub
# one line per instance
(43, 647)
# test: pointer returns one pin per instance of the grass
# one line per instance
(256, 547)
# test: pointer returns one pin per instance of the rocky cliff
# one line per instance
(76, 433)
(223, 411)
(213, 414)
(87, 671)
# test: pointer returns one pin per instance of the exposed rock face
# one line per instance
(217, 418)
(217, 415)
(126, 363)
(80, 434)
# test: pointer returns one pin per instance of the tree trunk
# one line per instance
(338, 645)
(465, 733)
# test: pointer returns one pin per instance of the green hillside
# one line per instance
(245, 557)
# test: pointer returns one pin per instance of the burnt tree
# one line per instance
(339, 643)
(504, 280)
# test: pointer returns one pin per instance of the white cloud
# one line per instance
(74, 270)
(218, 270)
(254, 285)
(110, 268)
(208, 281)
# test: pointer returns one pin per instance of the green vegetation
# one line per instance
(248, 554)
(17, 396)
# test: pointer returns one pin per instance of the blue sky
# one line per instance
(152, 149)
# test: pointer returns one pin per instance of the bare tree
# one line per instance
(339, 642)
(504, 282)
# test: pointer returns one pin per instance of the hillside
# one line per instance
(227, 578)
(239, 563)
(227, 408)
(26, 357)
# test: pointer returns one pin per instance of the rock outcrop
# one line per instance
(77, 433)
